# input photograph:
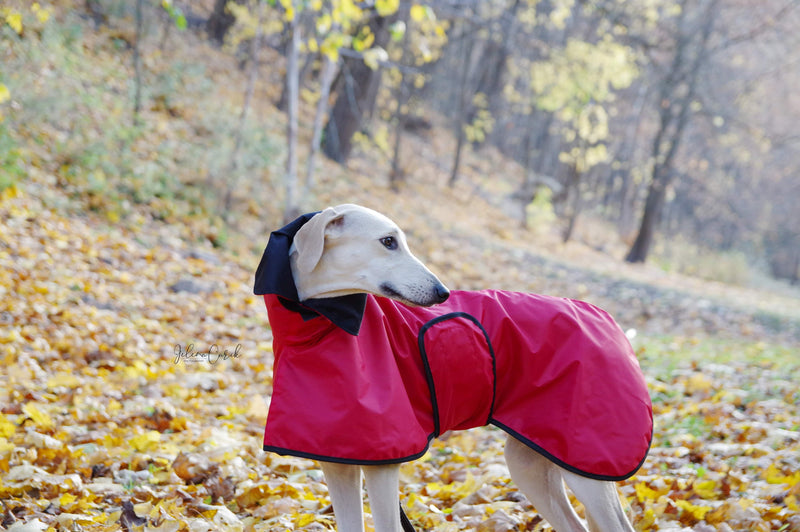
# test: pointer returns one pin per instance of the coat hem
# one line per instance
(353, 461)
(511, 432)
(561, 463)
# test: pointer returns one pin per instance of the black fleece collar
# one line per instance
(274, 276)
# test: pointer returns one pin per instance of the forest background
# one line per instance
(641, 155)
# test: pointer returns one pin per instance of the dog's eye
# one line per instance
(389, 242)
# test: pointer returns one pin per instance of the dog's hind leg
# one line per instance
(542, 482)
(384, 496)
(344, 486)
(603, 509)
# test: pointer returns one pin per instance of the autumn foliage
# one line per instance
(137, 373)
(137, 363)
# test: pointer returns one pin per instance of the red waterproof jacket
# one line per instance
(368, 380)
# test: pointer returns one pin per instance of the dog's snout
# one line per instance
(442, 293)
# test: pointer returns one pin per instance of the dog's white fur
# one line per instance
(351, 249)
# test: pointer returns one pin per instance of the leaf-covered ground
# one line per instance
(137, 364)
(105, 427)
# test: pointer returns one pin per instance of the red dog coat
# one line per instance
(366, 380)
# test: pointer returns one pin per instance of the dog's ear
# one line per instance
(310, 239)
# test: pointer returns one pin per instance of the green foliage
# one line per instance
(75, 126)
(482, 121)
(12, 162)
(20, 29)
(664, 356)
(577, 83)
(682, 256)
(258, 154)
(339, 24)
(344, 24)
(539, 213)
(582, 73)
(175, 13)
(20, 20)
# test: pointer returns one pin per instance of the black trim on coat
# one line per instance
(429, 372)
(516, 435)
(322, 458)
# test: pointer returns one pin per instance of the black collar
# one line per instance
(274, 276)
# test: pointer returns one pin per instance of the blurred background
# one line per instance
(604, 132)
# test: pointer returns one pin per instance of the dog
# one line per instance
(366, 339)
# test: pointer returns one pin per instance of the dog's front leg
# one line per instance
(384, 496)
(344, 486)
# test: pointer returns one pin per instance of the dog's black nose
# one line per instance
(442, 293)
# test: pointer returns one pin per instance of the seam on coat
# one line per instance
(429, 373)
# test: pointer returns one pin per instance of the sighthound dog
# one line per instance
(374, 357)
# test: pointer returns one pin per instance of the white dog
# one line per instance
(363, 383)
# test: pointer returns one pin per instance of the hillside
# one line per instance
(116, 256)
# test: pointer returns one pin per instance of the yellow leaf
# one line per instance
(5, 446)
(363, 40)
(304, 519)
(696, 511)
(698, 383)
(312, 46)
(418, 13)
(647, 520)
(386, 7)
(66, 499)
(374, 56)
(706, 489)
(791, 503)
(324, 22)
(7, 428)
(14, 20)
(773, 475)
(645, 493)
(41, 419)
(41, 14)
(113, 407)
(10, 192)
(5, 94)
(139, 369)
(67, 380)
(348, 10)
(146, 441)
(113, 215)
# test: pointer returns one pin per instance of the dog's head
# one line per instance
(350, 249)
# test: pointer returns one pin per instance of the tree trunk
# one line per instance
(573, 201)
(674, 109)
(233, 163)
(326, 79)
(304, 70)
(402, 96)
(353, 88)
(653, 207)
(221, 21)
(291, 209)
(461, 112)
